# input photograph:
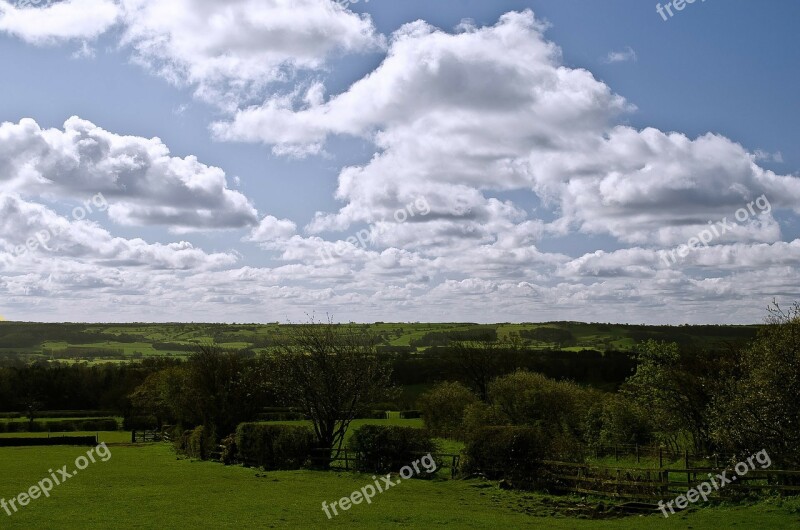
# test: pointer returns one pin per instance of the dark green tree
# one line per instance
(760, 407)
(330, 372)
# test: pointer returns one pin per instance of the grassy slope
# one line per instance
(148, 487)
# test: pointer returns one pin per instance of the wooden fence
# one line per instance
(660, 454)
(138, 437)
(348, 461)
(657, 484)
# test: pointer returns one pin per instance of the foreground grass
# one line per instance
(149, 487)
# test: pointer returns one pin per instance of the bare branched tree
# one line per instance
(330, 372)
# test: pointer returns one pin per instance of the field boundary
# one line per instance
(632, 483)
(55, 440)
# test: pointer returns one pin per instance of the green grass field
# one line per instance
(147, 486)
(116, 342)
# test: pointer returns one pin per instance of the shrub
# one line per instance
(200, 442)
(274, 446)
(443, 409)
(479, 415)
(383, 449)
(510, 452)
(180, 438)
(140, 423)
(559, 408)
(96, 424)
(617, 420)
(229, 450)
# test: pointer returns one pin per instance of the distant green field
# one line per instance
(148, 487)
(117, 342)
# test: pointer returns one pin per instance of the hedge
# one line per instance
(60, 440)
(95, 424)
(383, 449)
(60, 414)
(274, 447)
(506, 452)
(140, 423)
(200, 442)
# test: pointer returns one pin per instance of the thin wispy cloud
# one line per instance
(624, 56)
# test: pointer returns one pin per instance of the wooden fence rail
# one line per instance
(146, 436)
(657, 484)
(348, 461)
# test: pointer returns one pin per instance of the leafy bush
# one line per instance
(229, 450)
(528, 398)
(443, 409)
(140, 423)
(200, 442)
(382, 449)
(510, 452)
(96, 424)
(274, 446)
(479, 415)
(617, 420)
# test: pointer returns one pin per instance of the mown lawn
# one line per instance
(149, 487)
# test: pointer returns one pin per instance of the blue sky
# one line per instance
(553, 154)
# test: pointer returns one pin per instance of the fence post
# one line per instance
(133, 437)
(660, 457)
(637, 453)
(686, 459)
